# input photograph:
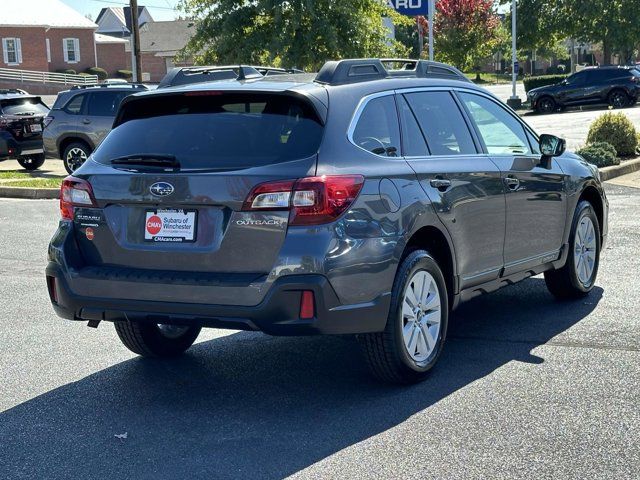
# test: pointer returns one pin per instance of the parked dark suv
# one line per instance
(21, 118)
(80, 119)
(369, 201)
(615, 86)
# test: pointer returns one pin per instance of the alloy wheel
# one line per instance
(584, 251)
(75, 158)
(172, 331)
(421, 315)
(618, 100)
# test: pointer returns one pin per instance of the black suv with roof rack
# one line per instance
(187, 75)
(80, 119)
(370, 200)
(21, 121)
(617, 86)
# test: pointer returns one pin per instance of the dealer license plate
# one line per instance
(170, 225)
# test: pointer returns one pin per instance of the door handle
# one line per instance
(440, 183)
(86, 121)
(512, 182)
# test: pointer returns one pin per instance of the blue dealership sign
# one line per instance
(410, 7)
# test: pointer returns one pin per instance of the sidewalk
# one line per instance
(629, 180)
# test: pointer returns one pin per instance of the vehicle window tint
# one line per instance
(105, 104)
(212, 132)
(576, 79)
(377, 130)
(413, 144)
(442, 123)
(75, 104)
(21, 106)
(534, 142)
(501, 132)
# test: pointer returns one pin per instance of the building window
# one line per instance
(48, 50)
(12, 51)
(71, 49)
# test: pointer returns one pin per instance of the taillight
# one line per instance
(47, 120)
(75, 192)
(311, 200)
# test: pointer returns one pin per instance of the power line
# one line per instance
(123, 4)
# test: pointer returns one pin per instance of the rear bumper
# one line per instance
(276, 314)
(11, 148)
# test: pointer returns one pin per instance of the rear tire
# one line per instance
(578, 275)
(151, 340)
(32, 162)
(618, 99)
(412, 341)
(75, 155)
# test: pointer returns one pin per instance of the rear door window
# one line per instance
(105, 104)
(221, 131)
(413, 144)
(442, 123)
(377, 130)
(74, 106)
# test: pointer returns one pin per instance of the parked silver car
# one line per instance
(80, 119)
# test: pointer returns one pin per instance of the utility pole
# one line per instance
(135, 42)
(432, 8)
(514, 101)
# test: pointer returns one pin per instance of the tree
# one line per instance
(465, 31)
(290, 33)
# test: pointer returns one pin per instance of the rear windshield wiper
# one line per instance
(148, 160)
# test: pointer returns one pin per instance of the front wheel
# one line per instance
(32, 162)
(156, 340)
(546, 105)
(416, 327)
(618, 99)
(578, 276)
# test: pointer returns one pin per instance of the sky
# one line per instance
(159, 9)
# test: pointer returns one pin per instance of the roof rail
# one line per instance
(243, 72)
(110, 85)
(367, 69)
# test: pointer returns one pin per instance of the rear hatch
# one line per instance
(171, 179)
(22, 117)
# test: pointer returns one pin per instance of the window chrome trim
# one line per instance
(355, 118)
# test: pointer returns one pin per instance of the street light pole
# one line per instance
(514, 101)
(432, 7)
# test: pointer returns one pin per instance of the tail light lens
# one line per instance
(75, 192)
(47, 120)
(310, 200)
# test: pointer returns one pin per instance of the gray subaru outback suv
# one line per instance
(365, 200)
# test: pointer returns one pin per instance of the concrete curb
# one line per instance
(630, 166)
(29, 192)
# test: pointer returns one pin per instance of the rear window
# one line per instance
(22, 106)
(223, 131)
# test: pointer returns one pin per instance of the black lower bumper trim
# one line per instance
(277, 314)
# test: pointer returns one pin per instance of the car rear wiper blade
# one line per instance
(148, 159)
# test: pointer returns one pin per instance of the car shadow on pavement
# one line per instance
(252, 406)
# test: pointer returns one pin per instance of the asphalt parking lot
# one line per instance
(527, 387)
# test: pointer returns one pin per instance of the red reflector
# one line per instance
(307, 305)
(51, 284)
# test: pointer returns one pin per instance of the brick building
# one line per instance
(45, 35)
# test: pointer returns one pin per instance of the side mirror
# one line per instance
(552, 146)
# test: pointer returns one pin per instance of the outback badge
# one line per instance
(161, 189)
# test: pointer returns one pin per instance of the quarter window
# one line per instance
(12, 51)
(442, 123)
(377, 130)
(71, 49)
(501, 132)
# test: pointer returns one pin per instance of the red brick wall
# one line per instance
(34, 50)
(87, 53)
(112, 57)
(155, 66)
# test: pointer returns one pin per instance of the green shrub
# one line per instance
(542, 80)
(68, 71)
(638, 144)
(616, 129)
(600, 154)
(127, 74)
(100, 72)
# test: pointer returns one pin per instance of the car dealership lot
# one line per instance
(527, 386)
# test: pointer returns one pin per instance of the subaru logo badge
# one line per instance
(161, 189)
